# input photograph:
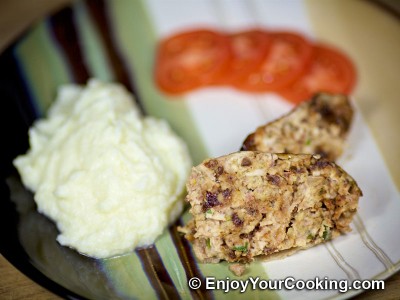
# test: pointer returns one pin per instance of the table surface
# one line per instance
(17, 15)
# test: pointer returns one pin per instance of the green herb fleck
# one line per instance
(208, 243)
(241, 248)
(209, 211)
(310, 236)
(326, 235)
(308, 142)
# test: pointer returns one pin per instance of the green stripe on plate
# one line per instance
(137, 40)
(91, 44)
(167, 250)
(43, 66)
(128, 277)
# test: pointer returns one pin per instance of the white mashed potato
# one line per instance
(111, 179)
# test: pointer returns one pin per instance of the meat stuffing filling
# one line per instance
(319, 126)
(249, 204)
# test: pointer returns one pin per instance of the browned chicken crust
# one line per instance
(319, 126)
(250, 203)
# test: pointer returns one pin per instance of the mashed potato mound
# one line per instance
(111, 179)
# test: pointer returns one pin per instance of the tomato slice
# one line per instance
(249, 49)
(191, 59)
(330, 71)
(286, 60)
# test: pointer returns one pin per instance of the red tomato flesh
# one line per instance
(288, 56)
(190, 60)
(249, 49)
(330, 71)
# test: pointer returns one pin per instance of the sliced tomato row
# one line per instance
(254, 61)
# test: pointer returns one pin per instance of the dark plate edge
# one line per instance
(12, 250)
